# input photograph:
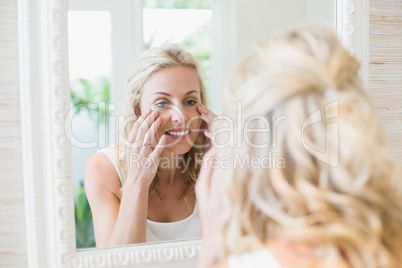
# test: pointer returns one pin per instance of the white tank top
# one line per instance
(256, 259)
(187, 228)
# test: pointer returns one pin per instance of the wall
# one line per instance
(239, 24)
(258, 20)
(12, 230)
(385, 71)
(385, 86)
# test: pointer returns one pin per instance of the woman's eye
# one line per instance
(190, 102)
(161, 104)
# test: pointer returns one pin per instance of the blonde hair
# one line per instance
(150, 62)
(351, 209)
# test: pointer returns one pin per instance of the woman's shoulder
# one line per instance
(256, 259)
(302, 254)
(281, 254)
(99, 163)
(100, 172)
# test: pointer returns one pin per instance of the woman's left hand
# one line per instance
(208, 118)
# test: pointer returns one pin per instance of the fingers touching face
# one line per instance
(174, 92)
(144, 130)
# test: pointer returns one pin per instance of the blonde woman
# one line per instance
(143, 189)
(331, 194)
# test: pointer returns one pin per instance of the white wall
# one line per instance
(13, 252)
(258, 20)
(238, 24)
(322, 11)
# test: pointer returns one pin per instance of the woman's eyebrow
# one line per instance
(162, 93)
(191, 92)
(167, 94)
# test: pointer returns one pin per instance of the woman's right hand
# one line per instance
(208, 117)
(143, 150)
(208, 201)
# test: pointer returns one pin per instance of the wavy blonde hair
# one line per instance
(351, 211)
(150, 62)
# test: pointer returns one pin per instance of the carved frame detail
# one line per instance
(352, 24)
(46, 163)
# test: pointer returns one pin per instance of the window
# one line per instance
(186, 23)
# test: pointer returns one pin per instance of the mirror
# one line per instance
(96, 32)
(98, 63)
(46, 135)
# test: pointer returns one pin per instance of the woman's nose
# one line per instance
(178, 115)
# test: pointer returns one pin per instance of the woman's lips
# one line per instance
(178, 133)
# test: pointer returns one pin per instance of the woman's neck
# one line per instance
(170, 164)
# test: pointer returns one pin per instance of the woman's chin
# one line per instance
(179, 149)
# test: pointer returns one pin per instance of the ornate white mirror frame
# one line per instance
(46, 163)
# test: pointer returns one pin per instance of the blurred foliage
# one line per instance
(194, 4)
(84, 231)
(87, 95)
(200, 46)
(93, 97)
(149, 43)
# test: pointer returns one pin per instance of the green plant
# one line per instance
(149, 43)
(84, 231)
(86, 95)
(200, 46)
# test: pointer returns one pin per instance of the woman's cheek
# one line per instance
(161, 129)
(195, 120)
(162, 125)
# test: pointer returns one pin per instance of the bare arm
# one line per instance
(131, 222)
(101, 184)
(116, 221)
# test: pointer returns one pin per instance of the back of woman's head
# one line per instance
(325, 175)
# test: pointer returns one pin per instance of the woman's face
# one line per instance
(175, 93)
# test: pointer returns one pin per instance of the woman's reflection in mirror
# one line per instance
(142, 190)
